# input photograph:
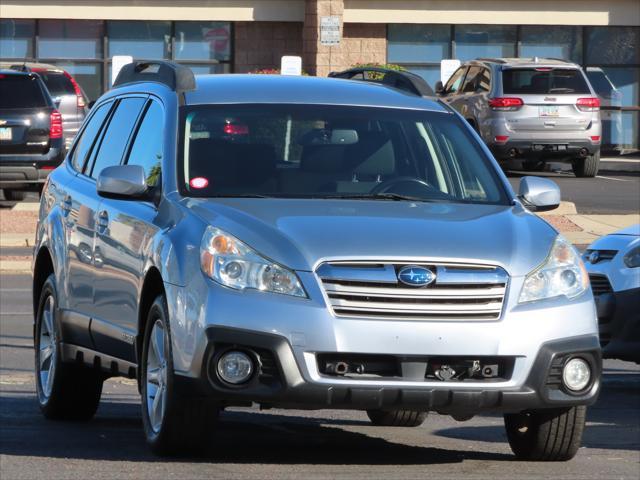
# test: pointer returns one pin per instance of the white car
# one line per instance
(613, 263)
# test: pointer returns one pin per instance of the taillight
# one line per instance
(77, 89)
(507, 104)
(55, 125)
(501, 138)
(595, 138)
(590, 104)
(231, 129)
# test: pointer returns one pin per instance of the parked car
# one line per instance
(533, 109)
(31, 134)
(613, 263)
(67, 94)
(610, 107)
(359, 249)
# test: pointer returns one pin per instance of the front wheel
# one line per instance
(65, 391)
(397, 418)
(547, 435)
(587, 167)
(172, 423)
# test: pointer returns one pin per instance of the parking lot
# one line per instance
(250, 443)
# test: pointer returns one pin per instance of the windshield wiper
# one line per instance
(384, 196)
(238, 195)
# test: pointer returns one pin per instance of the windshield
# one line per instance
(314, 151)
(543, 80)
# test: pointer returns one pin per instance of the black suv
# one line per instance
(31, 139)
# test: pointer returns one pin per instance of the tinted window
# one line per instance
(542, 81)
(333, 152)
(471, 79)
(453, 84)
(21, 91)
(147, 146)
(115, 139)
(58, 84)
(87, 138)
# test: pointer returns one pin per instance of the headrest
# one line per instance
(374, 155)
(323, 158)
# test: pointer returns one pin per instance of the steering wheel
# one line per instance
(388, 185)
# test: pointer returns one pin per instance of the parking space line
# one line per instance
(616, 179)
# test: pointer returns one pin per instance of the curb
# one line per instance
(17, 239)
(17, 266)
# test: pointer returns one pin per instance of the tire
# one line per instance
(398, 418)
(14, 195)
(546, 435)
(65, 391)
(173, 424)
(587, 167)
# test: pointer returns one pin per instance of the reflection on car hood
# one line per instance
(301, 233)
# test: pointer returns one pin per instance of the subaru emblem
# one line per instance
(416, 276)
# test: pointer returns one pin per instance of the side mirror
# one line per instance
(124, 182)
(439, 88)
(539, 194)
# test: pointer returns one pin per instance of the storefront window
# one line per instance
(431, 74)
(488, 41)
(203, 41)
(141, 40)
(561, 42)
(418, 43)
(70, 39)
(16, 38)
(613, 45)
(208, 69)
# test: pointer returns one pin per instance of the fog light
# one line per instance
(235, 367)
(576, 374)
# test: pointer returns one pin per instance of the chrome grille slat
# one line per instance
(465, 292)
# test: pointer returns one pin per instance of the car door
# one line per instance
(128, 226)
(79, 204)
(451, 93)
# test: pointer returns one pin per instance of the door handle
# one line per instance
(103, 220)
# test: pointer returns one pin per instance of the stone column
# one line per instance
(321, 59)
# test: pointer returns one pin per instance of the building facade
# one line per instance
(217, 36)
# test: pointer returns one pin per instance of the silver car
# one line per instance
(301, 242)
(613, 263)
(532, 109)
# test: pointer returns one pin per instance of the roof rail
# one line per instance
(494, 60)
(407, 81)
(177, 77)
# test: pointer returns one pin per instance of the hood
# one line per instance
(301, 233)
(631, 230)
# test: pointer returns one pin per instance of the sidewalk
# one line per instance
(17, 229)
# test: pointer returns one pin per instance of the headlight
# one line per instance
(562, 273)
(632, 258)
(233, 264)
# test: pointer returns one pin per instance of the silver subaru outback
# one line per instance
(300, 242)
(532, 109)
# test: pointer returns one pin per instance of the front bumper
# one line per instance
(619, 324)
(285, 386)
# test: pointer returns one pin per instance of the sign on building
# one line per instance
(290, 65)
(330, 30)
(117, 62)
(447, 68)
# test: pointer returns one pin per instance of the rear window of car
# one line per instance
(542, 81)
(21, 91)
(58, 84)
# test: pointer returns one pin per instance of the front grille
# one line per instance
(459, 292)
(600, 284)
(600, 255)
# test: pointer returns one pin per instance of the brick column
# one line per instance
(321, 59)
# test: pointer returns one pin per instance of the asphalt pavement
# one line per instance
(249, 443)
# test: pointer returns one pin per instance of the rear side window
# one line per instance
(471, 80)
(543, 81)
(21, 91)
(147, 146)
(453, 85)
(58, 84)
(115, 139)
(87, 138)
